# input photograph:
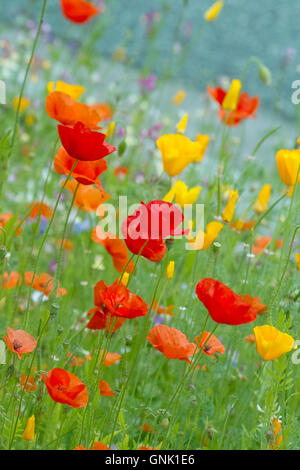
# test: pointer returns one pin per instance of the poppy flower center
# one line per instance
(61, 388)
(17, 345)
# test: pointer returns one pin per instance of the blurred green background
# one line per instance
(268, 29)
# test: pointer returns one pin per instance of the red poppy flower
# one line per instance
(115, 247)
(101, 320)
(40, 208)
(78, 11)
(20, 342)
(224, 305)
(119, 301)
(105, 389)
(171, 342)
(88, 198)
(246, 106)
(86, 173)
(8, 281)
(210, 344)
(65, 387)
(148, 227)
(64, 109)
(83, 144)
(42, 283)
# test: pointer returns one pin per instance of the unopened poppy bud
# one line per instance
(170, 242)
(28, 433)
(165, 423)
(181, 126)
(170, 270)
(122, 148)
(125, 279)
(53, 310)
(232, 97)
(264, 74)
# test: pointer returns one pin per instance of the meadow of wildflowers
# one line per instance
(149, 241)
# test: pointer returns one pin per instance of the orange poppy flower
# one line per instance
(104, 110)
(119, 301)
(8, 281)
(146, 448)
(163, 310)
(75, 361)
(101, 320)
(212, 344)
(65, 387)
(115, 247)
(120, 172)
(147, 428)
(246, 106)
(261, 244)
(105, 389)
(40, 208)
(42, 283)
(80, 448)
(62, 108)
(85, 172)
(31, 385)
(171, 342)
(87, 198)
(255, 303)
(242, 226)
(4, 218)
(100, 446)
(250, 339)
(67, 244)
(78, 11)
(110, 358)
(20, 342)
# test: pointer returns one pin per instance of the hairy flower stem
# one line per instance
(283, 273)
(14, 426)
(141, 341)
(43, 242)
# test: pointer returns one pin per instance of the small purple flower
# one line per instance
(147, 83)
(52, 266)
(139, 177)
(120, 132)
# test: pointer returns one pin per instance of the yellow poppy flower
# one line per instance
(204, 240)
(288, 163)
(181, 126)
(262, 201)
(178, 151)
(170, 270)
(75, 91)
(25, 102)
(182, 194)
(179, 97)
(213, 12)
(232, 96)
(228, 212)
(272, 343)
(28, 433)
